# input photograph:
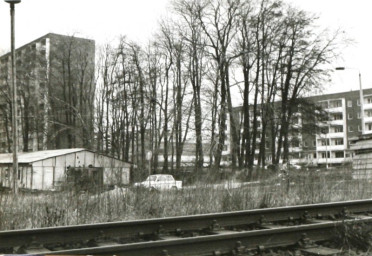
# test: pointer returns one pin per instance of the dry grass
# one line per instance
(56, 209)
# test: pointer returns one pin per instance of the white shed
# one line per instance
(45, 170)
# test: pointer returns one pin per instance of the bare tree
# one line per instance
(71, 92)
(218, 21)
(192, 33)
(303, 66)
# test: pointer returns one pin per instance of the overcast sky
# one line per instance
(106, 19)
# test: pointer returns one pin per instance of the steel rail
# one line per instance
(66, 234)
(223, 243)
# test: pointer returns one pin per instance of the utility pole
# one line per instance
(14, 96)
(361, 97)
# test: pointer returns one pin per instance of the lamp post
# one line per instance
(14, 98)
(361, 97)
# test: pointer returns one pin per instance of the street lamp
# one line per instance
(360, 96)
(14, 98)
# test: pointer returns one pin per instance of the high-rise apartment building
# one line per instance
(55, 84)
(330, 146)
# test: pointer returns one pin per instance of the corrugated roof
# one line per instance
(30, 157)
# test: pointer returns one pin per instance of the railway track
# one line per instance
(231, 233)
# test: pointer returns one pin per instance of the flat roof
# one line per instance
(30, 157)
(45, 36)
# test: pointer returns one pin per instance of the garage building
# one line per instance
(51, 169)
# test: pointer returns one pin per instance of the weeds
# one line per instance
(71, 208)
(354, 237)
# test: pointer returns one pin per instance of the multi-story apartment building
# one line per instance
(55, 84)
(330, 146)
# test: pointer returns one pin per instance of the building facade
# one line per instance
(55, 85)
(331, 144)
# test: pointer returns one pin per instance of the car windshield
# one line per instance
(165, 178)
(151, 178)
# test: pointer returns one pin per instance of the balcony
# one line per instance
(333, 160)
(296, 125)
(295, 149)
(367, 119)
(367, 105)
(331, 135)
(336, 122)
(335, 135)
(368, 131)
(331, 147)
(335, 110)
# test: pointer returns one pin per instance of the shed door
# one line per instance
(96, 175)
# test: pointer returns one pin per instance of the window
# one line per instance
(162, 178)
(296, 155)
(368, 113)
(324, 130)
(369, 127)
(339, 141)
(339, 154)
(314, 143)
(323, 104)
(295, 143)
(295, 131)
(350, 128)
(305, 144)
(325, 154)
(369, 100)
(7, 174)
(339, 129)
(314, 155)
(358, 102)
(337, 116)
(335, 104)
(349, 103)
(358, 115)
(359, 128)
(324, 142)
(349, 116)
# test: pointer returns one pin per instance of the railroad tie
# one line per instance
(33, 248)
(239, 249)
(322, 251)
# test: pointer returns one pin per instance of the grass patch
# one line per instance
(69, 208)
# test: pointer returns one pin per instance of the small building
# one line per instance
(51, 169)
(362, 160)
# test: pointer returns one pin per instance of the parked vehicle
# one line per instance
(295, 166)
(160, 182)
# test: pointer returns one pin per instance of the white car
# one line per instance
(295, 166)
(160, 182)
